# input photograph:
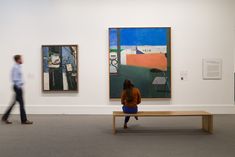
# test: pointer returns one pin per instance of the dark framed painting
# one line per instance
(143, 56)
(60, 68)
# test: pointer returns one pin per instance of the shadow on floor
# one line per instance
(160, 131)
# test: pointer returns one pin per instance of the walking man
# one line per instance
(16, 77)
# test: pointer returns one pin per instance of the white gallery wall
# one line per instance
(200, 29)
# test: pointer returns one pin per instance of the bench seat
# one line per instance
(207, 118)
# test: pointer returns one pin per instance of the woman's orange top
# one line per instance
(136, 98)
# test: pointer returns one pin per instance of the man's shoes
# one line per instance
(125, 126)
(27, 122)
(6, 121)
(136, 118)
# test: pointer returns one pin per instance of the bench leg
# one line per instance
(207, 123)
(210, 130)
(114, 125)
(204, 123)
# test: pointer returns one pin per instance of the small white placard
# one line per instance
(212, 69)
(184, 75)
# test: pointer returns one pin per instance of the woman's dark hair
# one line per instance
(127, 87)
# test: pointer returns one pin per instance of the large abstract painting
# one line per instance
(60, 68)
(142, 55)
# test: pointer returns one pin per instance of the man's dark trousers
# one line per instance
(18, 98)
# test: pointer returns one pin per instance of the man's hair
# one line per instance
(17, 57)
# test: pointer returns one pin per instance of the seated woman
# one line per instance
(130, 98)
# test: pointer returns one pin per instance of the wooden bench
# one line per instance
(207, 118)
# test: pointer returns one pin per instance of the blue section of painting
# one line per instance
(45, 59)
(68, 58)
(113, 37)
(143, 36)
(139, 36)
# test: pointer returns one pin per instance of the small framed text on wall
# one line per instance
(212, 69)
(60, 68)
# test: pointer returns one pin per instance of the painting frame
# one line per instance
(77, 67)
(170, 62)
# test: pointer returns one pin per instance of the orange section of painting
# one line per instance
(152, 61)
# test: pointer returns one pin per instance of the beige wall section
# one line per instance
(200, 29)
(234, 34)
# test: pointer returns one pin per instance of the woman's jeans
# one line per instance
(130, 110)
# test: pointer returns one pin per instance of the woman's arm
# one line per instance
(123, 98)
(139, 97)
